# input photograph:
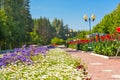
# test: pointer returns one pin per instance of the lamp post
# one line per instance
(92, 18)
(67, 35)
(89, 20)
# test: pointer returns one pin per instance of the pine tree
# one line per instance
(20, 21)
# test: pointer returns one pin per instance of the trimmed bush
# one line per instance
(57, 41)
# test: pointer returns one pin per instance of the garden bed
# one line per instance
(56, 65)
(106, 48)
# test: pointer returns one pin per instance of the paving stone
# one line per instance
(97, 63)
(107, 70)
(116, 76)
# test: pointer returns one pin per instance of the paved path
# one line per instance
(98, 67)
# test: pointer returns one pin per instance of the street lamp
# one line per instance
(89, 19)
(71, 33)
(67, 35)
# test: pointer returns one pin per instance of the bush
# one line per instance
(72, 46)
(57, 41)
(108, 48)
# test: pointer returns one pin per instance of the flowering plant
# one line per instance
(57, 65)
(23, 55)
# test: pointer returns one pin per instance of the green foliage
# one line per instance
(4, 28)
(108, 48)
(3, 19)
(17, 24)
(109, 23)
(57, 41)
(82, 34)
(69, 39)
(72, 46)
(35, 38)
(59, 28)
(44, 29)
(47, 30)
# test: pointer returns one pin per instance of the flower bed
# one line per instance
(56, 65)
(107, 48)
(106, 44)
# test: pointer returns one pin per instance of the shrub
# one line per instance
(57, 41)
(108, 48)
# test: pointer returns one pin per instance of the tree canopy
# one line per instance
(109, 23)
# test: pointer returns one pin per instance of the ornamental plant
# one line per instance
(57, 41)
(108, 48)
(103, 47)
(23, 55)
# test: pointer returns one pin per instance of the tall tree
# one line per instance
(3, 28)
(43, 28)
(19, 21)
(59, 27)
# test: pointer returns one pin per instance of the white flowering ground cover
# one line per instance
(57, 65)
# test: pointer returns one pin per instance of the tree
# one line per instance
(19, 22)
(3, 28)
(44, 29)
(59, 28)
(82, 34)
(109, 23)
(35, 38)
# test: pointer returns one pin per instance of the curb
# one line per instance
(102, 56)
(106, 57)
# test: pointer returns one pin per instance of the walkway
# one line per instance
(98, 67)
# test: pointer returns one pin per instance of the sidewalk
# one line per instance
(98, 67)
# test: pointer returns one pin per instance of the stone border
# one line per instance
(106, 57)
(116, 76)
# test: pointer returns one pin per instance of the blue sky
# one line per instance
(72, 11)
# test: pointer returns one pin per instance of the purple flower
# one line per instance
(50, 47)
(17, 49)
(23, 54)
(21, 58)
(24, 46)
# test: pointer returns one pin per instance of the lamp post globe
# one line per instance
(93, 17)
(85, 17)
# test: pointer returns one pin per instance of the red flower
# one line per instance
(118, 29)
(97, 38)
(88, 79)
(79, 67)
(108, 37)
(102, 38)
